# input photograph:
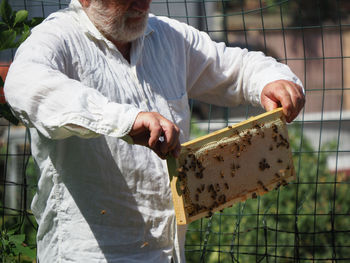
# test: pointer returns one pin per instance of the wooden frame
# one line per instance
(206, 177)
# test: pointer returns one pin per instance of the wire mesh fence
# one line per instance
(306, 221)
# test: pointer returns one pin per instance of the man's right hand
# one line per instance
(148, 130)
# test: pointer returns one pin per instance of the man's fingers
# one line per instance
(164, 147)
(271, 105)
(171, 136)
(158, 151)
(297, 99)
(286, 102)
(280, 97)
(286, 94)
(158, 133)
(155, 133)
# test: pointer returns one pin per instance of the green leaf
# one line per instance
(5, 11)
(20, 16)
(24, 35)
(13, 229)
(5, 242)
(3, 26)
(7, 39)
(27, 251)
(7, 233)
(6, 112)
(35, 21)
(17, 239)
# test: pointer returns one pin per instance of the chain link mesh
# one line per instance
(306, 221)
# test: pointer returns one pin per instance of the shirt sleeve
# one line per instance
(229, 76)
(43, 96)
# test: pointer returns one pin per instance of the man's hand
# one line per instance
(156, 132)
(286, 94)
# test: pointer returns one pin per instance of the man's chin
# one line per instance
(136, 30)
(129, 35)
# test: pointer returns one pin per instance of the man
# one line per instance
(94, 78)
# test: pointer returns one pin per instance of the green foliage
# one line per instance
(15, 26)
(195, 131)
(5, 112)
(18, 231)
(304, 219)
(14, 29)
(12, 245)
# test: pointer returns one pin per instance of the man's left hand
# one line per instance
(286, 94)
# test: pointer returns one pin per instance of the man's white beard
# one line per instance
(112, 24)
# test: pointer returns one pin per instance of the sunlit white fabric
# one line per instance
(99, 198)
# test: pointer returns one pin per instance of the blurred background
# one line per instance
(306, 221)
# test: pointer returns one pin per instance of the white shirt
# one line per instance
(99, 198)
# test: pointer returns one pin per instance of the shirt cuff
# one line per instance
(119, 119)
(114, 120)
(282, 73)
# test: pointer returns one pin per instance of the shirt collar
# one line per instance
(89, 28)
